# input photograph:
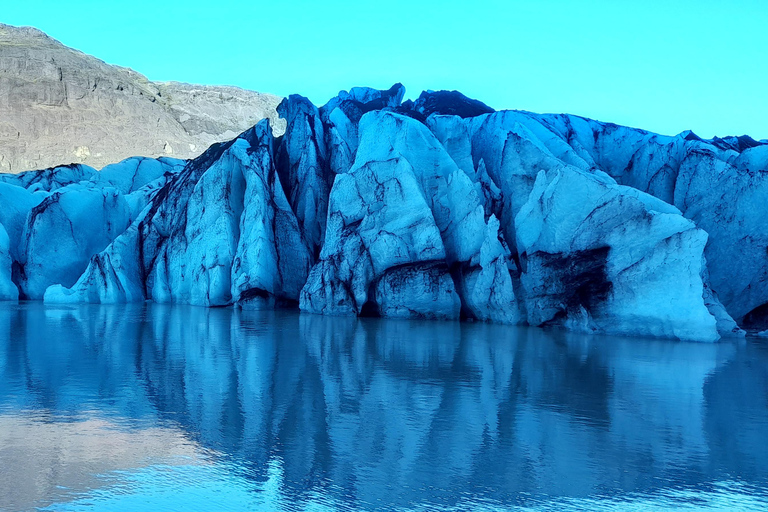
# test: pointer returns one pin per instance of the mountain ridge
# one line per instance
(59, 105)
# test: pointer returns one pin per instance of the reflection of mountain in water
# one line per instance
(397, 411)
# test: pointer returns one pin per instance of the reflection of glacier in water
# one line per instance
(115, 408)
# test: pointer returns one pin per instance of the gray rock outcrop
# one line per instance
(61, 106)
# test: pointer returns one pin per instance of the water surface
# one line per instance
(150, 407)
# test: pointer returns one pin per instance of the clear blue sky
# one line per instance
(663, 65)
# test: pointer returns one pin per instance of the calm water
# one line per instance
(181, 408)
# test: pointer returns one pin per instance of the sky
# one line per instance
(661, 65)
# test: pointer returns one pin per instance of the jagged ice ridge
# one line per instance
(436, 208)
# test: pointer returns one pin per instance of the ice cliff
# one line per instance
(434, 208)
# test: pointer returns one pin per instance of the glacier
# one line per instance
(8, 290)
(438, 207)
(60, 217)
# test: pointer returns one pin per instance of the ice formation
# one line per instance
(434, 208)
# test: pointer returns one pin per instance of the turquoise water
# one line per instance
(157, 408)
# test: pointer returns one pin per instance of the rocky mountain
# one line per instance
(60, 106)
(437, 208)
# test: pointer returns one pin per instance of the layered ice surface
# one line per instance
(436, 208)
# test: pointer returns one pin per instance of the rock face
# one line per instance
(440, 208)
(58, 105)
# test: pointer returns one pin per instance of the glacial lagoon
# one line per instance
(150, 407)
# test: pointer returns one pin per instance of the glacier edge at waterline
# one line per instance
(435, 208)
